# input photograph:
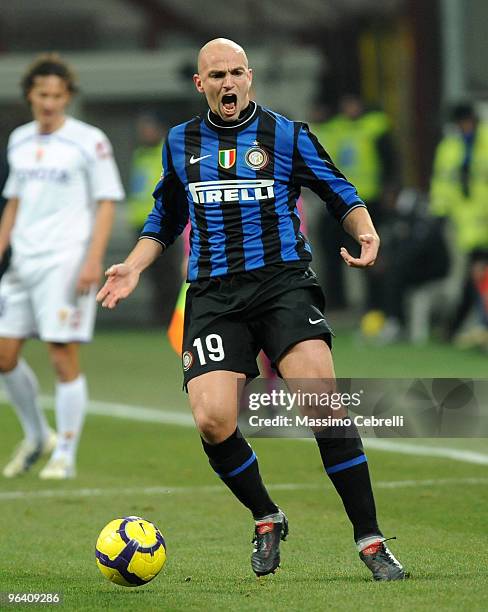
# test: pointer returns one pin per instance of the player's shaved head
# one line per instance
(224, 77)
(216, 47)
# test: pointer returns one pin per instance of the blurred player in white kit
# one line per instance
(61, 190)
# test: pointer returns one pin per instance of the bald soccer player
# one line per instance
(236, 173)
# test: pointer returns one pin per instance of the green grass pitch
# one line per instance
(158, 471)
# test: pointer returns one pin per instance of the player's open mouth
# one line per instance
(229, 104)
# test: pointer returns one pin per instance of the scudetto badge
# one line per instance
(227, 158)
(187, 358)
(256, 158)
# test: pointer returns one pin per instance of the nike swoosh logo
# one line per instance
(194, 160)
(315, 322)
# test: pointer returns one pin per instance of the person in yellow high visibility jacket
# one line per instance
(459, 192)
(361, 144)
(145, 172)
(145, 167)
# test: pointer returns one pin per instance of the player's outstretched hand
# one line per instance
(369, 251)
(121, 282)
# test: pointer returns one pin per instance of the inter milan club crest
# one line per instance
(227, 158)
(187, 360)
(256, 158)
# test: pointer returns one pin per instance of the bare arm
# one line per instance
(7, 223)
(359, 225)
(91, 271)
(122, 278)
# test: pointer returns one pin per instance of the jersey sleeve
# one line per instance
(313, 168)
(11, 187)
(169, 215)
(104, 174)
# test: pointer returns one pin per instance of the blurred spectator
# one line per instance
(146, 167)
(359, 142)
(459, 191)
(145, 172)
(415, 254)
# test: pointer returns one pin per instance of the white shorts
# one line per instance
(38, 298)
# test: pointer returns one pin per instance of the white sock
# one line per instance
(22, 389)
(277, 517)
(365, 542)
(70, 404)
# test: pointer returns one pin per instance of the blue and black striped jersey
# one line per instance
(238, 185)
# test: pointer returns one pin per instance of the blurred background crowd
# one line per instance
(394, 89)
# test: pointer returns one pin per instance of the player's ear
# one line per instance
(198, 83)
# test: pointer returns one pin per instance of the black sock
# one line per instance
(346, 465)
(237, 465)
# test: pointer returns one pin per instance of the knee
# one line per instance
(64, 362)
(212, 429)
(7, 362)
(9, 354)
(215, 425)
(58, 363)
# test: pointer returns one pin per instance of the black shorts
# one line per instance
(230, 319)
